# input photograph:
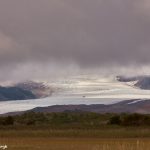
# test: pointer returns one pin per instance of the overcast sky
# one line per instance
(56, 35)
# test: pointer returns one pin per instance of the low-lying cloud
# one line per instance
(79, 33)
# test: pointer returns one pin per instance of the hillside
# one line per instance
(39, 89)
(142, 82)
(24, 91)
(127, 106)
(15, 93)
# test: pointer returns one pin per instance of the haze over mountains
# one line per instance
(142, 82)
(77, 91)
(81, 86)
(70, 52)
(127, 106)
(24, 91)
(15, 93)
(49, 38)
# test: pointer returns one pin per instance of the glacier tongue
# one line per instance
(80, 90)
(97, 87)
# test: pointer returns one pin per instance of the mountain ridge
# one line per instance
(126, 106)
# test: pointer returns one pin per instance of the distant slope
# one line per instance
(39, 89)
(128, 106)
(79, 87)
(142, 82)
(24, 91)
(15, 93)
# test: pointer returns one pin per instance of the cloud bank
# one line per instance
(62, 34)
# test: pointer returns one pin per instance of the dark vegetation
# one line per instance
(75, 120)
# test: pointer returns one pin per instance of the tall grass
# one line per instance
(75, 144)
(112, 138)
(115, 132)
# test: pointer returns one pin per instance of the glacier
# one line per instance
(80, 90)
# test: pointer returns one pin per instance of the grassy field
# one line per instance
(30, 143)
(104, 139)
(75, 131)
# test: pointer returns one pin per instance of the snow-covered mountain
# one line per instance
(142, 82)
(39, 89)
(78, 90)
(15, 93)
(130, 106)
(24, 91)
(80, 87)
(87, 86)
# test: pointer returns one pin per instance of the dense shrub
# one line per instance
(135, 120)
(75, 120)
(115, 120)
(6, 120)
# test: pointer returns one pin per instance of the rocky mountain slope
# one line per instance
(131, 106)
(15, 93)
(24, 91)
(142, 82)
(128, 106)
(39, 89)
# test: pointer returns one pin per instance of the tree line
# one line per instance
(75, 120)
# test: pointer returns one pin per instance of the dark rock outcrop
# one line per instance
(15, 93)
(143, 82)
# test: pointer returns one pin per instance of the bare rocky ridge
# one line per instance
(142, 82)
(128, 106)
(39, 89)
(24, 91)
(15, 93)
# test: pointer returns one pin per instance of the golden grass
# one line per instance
(75, 144)
(46, 139)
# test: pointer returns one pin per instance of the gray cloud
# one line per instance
(82, 32)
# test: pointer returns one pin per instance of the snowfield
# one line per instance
(13, 106)
(80, 90)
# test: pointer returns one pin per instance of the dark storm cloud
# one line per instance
(84, 32)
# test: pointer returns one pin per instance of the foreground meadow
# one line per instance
(45, 139)
(75, 131)
(30, 143)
